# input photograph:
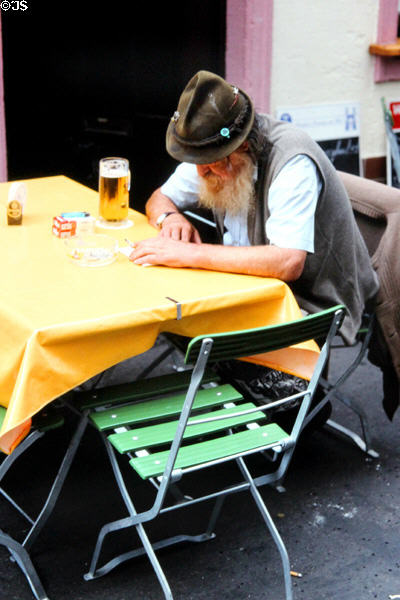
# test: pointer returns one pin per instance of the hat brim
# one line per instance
(202, 155)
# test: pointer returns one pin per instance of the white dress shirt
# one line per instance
(292, 200)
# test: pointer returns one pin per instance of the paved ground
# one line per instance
(339, 517)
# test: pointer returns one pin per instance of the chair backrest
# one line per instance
(239, 344)
(371, 202)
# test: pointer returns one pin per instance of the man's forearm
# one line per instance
(158, 204)
(265, 261)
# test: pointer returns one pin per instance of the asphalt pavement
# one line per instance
(339, 518)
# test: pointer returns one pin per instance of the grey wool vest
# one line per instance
(339, 271)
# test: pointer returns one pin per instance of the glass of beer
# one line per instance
(114, 185)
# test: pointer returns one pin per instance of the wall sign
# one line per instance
(336, 128)
(392, 176)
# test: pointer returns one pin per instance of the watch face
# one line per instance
(162, 217)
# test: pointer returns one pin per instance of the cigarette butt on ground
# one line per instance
(393, 596)
(296, 574)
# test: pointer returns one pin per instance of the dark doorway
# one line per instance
(88, 80)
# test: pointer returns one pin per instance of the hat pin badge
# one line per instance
(175, 116)
(235, 91)
(225, 132)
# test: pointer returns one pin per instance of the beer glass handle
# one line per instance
(129, 180)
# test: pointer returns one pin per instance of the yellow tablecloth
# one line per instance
(61, 323)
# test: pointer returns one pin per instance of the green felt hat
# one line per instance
(212, 120)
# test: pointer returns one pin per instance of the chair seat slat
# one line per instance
(139, 390)
(188, 456)
(43, 421)
(163, 433)
(48, 420)
(2, 415)
(162, 407)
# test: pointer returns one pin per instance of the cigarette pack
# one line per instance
(84, 222)
(63, 228)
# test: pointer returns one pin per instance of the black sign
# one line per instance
(391, 176)
(343, 153)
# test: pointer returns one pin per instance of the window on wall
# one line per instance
(398, 20)
(387, 46)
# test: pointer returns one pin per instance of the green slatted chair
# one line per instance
(44, 422)
(166, 436)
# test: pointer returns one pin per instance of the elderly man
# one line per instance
(278, 203)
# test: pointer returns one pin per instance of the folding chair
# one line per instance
(332, 389)
(44, 422)
(167, 436)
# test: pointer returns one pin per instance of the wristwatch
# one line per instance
(161, 218)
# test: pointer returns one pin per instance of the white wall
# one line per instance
(320, 55)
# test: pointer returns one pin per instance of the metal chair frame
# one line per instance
(20, 551)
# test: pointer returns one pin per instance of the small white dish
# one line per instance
(91, 250)
(124, 224)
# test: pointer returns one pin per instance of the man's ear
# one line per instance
(244, 147)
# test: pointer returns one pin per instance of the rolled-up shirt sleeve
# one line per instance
(182, 187)
(292, 201)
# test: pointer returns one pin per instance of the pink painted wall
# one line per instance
(387, 69)
(248, 54)
(3, 146)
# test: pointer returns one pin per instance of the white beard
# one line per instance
(233, 194)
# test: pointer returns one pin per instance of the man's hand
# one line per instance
(175, 226)
(178, 228)
(163, 250)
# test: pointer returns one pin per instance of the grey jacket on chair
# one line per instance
(377, 210)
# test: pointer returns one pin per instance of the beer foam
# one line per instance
(113, 169)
